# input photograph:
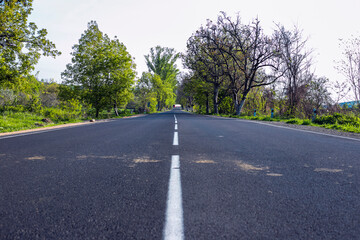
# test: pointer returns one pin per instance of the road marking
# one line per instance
(175, 117)
(176, 139)
(176, 126)
(174, 226)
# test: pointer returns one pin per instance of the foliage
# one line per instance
(237, 56)
(145, 95)
(102, 68)
(338, 118)
(164, 72)
(21, 43)
(293, 121)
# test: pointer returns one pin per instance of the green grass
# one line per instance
(336, 121)
(15, 121)
(11, 121)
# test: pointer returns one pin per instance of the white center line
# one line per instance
(176, 127)
(176, 139)
(174, 226)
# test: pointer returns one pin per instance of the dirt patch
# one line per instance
(205, 161)
(248, 167)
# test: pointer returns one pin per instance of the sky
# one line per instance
(142, 24)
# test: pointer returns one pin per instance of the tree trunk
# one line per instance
(207, 103)
(97, 112)
(216, 96)
(116, 109)
(240, 106)
(159, 106)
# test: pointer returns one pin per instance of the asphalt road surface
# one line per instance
(176, 175)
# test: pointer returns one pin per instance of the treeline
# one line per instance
(232, 68)
(99, 82)
(236, 68)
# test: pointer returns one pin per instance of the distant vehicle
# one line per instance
(177, 106)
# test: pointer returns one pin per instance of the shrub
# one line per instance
(34, 105)
(56, 114)
(306, 122)
(18, 108)
(268, 119)
(293, 121)
(338, 118)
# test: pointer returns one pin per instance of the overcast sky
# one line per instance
(142, 24)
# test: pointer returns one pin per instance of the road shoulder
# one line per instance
(46, 128)
(307, 128)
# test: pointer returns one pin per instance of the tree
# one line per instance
(195, 93)
(102, 67)
(206, 60)
(248, 57)
(145, 95)
(317, 95)
(350, 65)
(161, 63)
(296, 63)
(21, 43)
(254, 56)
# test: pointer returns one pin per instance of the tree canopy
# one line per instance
(21, 42)
(102, 67)
(164, 72)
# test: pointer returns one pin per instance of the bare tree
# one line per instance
(297, 63)
(250, 57)
(350, 65)
(317, 96)
(206, 61)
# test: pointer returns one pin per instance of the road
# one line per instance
(177, 175)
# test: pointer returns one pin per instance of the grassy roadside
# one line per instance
(336, 121)
(17, 121)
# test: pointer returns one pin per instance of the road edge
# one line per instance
(66, 125)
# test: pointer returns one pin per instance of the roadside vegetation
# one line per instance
(337, 121)
(232, 69)
(236, 69)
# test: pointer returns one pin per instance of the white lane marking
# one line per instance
(176, 139)
(174, 226)
(176, 127)
(175, 117)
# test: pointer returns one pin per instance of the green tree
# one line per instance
(103, 68)
(161, 63)
(21, 43)
(145, 94)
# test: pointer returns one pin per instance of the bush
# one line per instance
(338, 118)
(269, 119)
(18, 108)
(56, 114)
(34, 105)
(306, 122)
(293, 121)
